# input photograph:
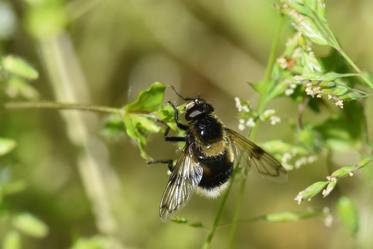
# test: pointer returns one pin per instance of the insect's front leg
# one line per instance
(169, 163)
(172, 138)
(176, 117)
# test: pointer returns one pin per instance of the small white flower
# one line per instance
(238, 104)
(298, 78)
(245, 108)
(289, 91)
(327, 190)
(241, 121)
(282, 62)
(299, 197)
(328, 218)
(268, 112)
(286, 157)
(274, 120)
(311, 159)
(339, 103)
(328, 221)
(300, 162)
(241, 127)
(250, 123)
(351, 173)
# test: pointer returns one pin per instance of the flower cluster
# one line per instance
(287, 157)
(248, 117)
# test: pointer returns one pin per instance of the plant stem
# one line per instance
(354, 66)
(263, 100)
(219, 213)
(272, 55)
(60, 106)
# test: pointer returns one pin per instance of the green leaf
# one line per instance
(344, 171)
(30, 225)
(289, 216)
(309, 18)
(138, 128)
(6, 146)
(149, 100)
(182, 220)
(46, 19)
(139, 116)
(300, 13)
(18, 87)
(96, 242)
(11, 240)
(348, 214)
(311, 191)
(20, 67)
(365, 161)
(113, 127)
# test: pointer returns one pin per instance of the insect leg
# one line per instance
(176, 117)
(169, 163)
(173, 138)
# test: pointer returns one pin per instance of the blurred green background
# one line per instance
(81, 184)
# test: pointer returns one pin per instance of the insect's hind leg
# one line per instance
(169, 163)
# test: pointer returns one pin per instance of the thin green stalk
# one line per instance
(274, 48)
(60, 106)
(219, 213)
(355, 67)
(263, 100)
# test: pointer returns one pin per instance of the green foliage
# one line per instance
(309, 18)
(326, 187)
(16, 74)
(6, 146)
(46, 18)
(96, 242)
(139, 118)
(348, 214)
(325, 86)
(290, 216)
(148, 101)
(12, 240)
(30, 225)
(17, 66)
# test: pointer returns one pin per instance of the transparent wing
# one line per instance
(251, 154)
(184, 178)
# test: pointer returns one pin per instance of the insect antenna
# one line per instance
(181, 96)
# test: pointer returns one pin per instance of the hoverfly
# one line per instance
(210, 152)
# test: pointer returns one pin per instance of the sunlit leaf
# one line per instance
(311, 191)
(17, 87)
(140, 117)
(30, 225)
(182, 220)
(11, 240)
(96, 242)
(344, 171)
(20, 67)
(348, 214)
(6, 146)
(138, 128)
(290, 216)
(113, 127)
(149, 100)
(46, 18)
